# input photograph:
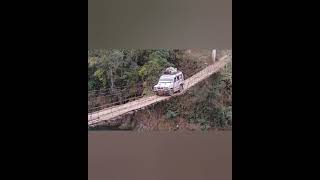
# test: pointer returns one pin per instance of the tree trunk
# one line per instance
(111, 81)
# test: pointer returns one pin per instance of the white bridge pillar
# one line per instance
(214, 52)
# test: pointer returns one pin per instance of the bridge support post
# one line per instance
(213, 55)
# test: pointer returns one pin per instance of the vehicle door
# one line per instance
(176, 84)
(180, 79)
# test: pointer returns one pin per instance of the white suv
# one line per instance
(169, 83)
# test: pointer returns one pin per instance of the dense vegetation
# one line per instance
(118, 74)
(116, 68)
(208, 104)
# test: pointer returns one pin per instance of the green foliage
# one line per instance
(114, 68)
(171, 114)
(151, 71)
(215, 108)
(111, 68)
(100, 75)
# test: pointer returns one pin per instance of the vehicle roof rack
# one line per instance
(171, 70)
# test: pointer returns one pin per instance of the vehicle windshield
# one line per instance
(165, 80)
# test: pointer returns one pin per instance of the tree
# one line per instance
(150, 71)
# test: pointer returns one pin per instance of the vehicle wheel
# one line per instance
(171, 92)
(181, 88)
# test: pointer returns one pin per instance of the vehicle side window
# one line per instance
(175, 79)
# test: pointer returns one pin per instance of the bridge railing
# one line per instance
(117, 109)
(113, 104)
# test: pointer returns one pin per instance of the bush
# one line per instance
(171, 114)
